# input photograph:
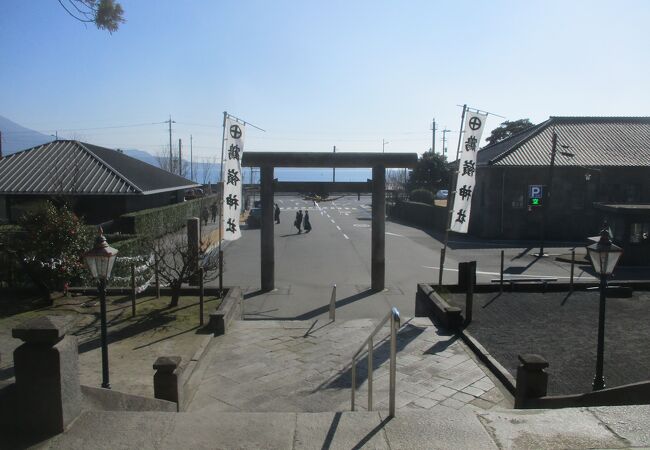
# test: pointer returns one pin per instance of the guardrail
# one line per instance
(394, 317)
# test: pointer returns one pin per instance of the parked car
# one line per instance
(442, 194)
(191, 194)
(254, 219)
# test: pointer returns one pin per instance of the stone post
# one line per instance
(469, 290)
(48, 394)
(378, 233)
(166, 380)
(193, 243)
(532, 380)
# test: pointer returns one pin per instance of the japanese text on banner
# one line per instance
(466, 181)
(232, 179)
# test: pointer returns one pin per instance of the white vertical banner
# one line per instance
(466, 181)
(232, 178)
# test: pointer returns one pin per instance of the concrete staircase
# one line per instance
(286, 385)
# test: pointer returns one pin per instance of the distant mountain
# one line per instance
(16, 137)
(142, 156)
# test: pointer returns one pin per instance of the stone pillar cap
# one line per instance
(167, 363)
(43, 330)
(533, 361)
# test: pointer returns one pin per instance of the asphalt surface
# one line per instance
(337, 251)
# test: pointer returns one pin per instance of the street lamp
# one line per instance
(100, 262)
(603, 256)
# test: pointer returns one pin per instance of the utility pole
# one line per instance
(383, 145)
(171, 156)
(444, 141)
(191, 161)
(547, 194)
(433, 136)
(334, 170)
(180, 158)
(0, 144)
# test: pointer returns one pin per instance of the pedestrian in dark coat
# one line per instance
(213, 211)
(298, 222)
(277, 213)
(306, 222)
(205, 215)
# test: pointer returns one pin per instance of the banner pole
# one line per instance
(443, 251)
(223, 138)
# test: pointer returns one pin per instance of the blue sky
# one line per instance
(318, 74)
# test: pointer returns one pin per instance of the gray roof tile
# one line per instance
(72, 167)
(594, 141)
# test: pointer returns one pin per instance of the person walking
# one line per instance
(298, 222)
(277, 213)
(306, 222)
(205, 215)
(213, 210)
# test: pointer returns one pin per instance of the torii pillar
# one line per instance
(378, 233)
(267, 249)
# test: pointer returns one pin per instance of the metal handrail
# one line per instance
(394, 317)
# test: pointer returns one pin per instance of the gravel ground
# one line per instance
(564, 330)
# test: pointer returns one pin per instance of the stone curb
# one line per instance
(490, 362)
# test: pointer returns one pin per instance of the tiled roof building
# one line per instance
(98, 182)
(599, 161)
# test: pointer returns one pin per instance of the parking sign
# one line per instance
(535, 194)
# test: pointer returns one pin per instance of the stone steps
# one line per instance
(440, 428)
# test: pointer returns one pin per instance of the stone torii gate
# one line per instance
(267, 161)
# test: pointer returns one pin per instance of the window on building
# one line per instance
(516, 200)
(639, 233)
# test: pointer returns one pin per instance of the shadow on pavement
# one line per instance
(314, 312)
(372, 432)
(381, 354)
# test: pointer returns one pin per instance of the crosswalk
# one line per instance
(332, 208)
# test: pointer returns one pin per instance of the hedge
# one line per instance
(157, 222)
(421, 196)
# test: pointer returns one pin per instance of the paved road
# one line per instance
(337, 251)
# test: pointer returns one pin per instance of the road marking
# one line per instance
(332, 220)
(345, 236)
(361, 225)
(338, 228)
(513, 274)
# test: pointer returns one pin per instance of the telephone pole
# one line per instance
(191, 161)
(180, 158)
(444, 141)
(171, 155)
(433, 136)
(334, 170)
(383, 145)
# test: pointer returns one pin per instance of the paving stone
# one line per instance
(425, 403)
(476, 392)
(461, 396)
(452, 403)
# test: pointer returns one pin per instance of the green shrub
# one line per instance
(421, 196)
(156, 222)
(51, 247)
